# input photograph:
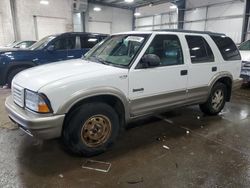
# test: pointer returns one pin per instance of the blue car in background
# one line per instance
(48, 50)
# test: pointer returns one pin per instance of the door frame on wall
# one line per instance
(36, 25)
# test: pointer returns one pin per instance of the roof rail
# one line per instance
(189, 31)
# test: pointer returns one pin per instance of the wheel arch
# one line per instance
(111, 96)
(227, 79)
(14, 65)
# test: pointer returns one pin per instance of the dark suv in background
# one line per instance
(49, 49)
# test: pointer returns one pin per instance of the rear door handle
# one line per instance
(214, 69)
(184, 72)
(139, 89)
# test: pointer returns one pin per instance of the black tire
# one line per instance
(12, 74)
(208, 107)
(74, 128)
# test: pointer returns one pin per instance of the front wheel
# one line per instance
(216, 100)
(91, 129)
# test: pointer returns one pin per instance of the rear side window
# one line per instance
(89, 41)
(200, 51)
(227, 48)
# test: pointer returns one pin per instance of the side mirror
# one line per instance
(51, 48)
(150, 60)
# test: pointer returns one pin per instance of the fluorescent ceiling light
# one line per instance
(173, 7)
(137, 14)
(129, 1)
(97, 9)
(44, 2)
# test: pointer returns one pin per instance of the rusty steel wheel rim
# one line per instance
(96, 130)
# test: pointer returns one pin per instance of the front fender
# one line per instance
(85, 94)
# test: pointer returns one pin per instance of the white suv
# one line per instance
(129, 75)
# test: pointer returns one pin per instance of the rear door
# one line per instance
(203, 66)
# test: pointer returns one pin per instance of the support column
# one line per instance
(181, 13)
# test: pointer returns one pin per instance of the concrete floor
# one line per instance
(214, 153)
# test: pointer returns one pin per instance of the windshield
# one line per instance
(118, 50)
(42, 43)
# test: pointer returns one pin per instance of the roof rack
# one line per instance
(189, 31)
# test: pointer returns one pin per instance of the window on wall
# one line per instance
(245, 46)
(167, 48)
(155, 22)
(199, 49)
(227, 48)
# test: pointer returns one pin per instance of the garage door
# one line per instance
(100, 27)
(1, 31)
(46, 26)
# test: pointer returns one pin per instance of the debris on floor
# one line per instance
(135, 181)
(187, 132)
(166, 147)
(60, 175)
(162, 138)
(97, 165)
(198, 117)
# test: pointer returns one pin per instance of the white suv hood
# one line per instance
(40, 76)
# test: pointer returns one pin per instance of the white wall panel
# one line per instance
(144, 21)
(198, 3)
(26, 9)
(231, 9)
(121, 19)
(100, 27)
(157, 20)
(196, 14)
(156, 9)
(7, 33)
(47, 26)
(231, 27)
(1, 31)
(199, 26)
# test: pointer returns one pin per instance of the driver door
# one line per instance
(156, 88)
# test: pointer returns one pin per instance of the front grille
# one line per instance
(18, 95)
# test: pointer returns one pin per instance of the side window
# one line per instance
(227, 48)
(199, 49)
(167, 48)
(61, 44)
(245, 46)
(88, 41)
(71, 42)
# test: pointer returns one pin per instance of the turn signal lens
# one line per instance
(43, 108)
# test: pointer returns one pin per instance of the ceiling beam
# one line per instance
(111, 4)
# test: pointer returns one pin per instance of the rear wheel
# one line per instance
(91, 129)
(216, 100)
(12, 74)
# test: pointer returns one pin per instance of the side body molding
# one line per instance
(94, 92)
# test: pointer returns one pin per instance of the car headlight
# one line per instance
(37, 102)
